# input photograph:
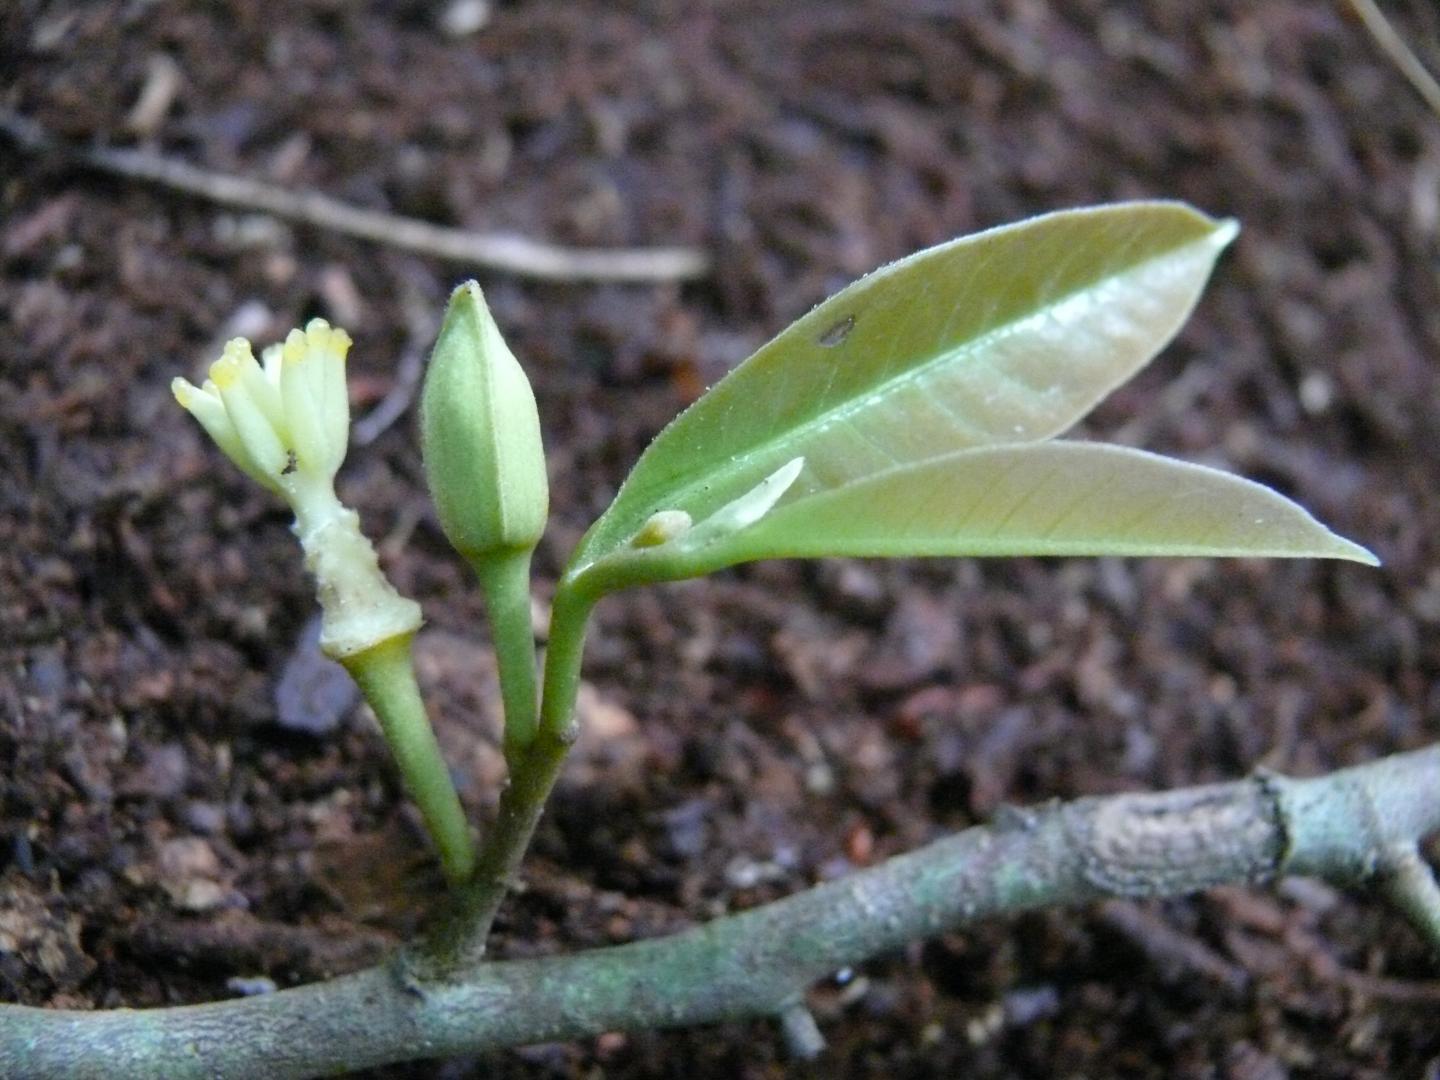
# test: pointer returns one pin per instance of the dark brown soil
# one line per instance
(163, 834)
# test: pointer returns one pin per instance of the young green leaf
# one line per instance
(1008, 336)
(1050, 498)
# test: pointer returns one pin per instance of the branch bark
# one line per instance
(1357, 825)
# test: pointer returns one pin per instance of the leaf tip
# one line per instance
(1226, 229)
(784, 476)
(1353, 552)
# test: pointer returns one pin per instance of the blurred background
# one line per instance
(192, 806)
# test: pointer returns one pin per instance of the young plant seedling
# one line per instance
(915, 413)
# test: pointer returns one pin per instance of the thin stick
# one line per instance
(1411, 886)
(509, 254)
(801, 1033)
(1399, 53)
(422, 325)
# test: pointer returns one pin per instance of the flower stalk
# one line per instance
(485, 466)
(385, 674)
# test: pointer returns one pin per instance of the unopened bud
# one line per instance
(480, 433)
(661, 527)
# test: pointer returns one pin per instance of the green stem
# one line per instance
(386, 676)
(506, 583)
(460, 938)
(569, 619)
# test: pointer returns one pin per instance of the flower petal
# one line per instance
(205, 405)
(253, 406)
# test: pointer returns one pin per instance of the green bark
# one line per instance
(1346, 827)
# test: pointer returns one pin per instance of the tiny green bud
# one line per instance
(749, 508)
(661, 527)
(480, 434)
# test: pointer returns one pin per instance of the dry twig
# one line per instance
(1399, 53)
(422, 325)
(508, 254)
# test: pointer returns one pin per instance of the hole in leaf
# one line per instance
(837, 333)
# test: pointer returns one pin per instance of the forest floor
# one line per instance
(180, 820)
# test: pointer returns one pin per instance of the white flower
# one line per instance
(290, 418)
(287, 425)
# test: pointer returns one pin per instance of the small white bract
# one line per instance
(287, 425)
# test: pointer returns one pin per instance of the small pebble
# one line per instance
(205, 818)
(314, 692)
(250, 985)
(465, 17)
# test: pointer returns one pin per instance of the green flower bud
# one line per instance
(480, 434)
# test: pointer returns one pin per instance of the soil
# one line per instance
(177, 827)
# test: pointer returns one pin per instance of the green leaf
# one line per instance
(1005, 337)
(1051, 498)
